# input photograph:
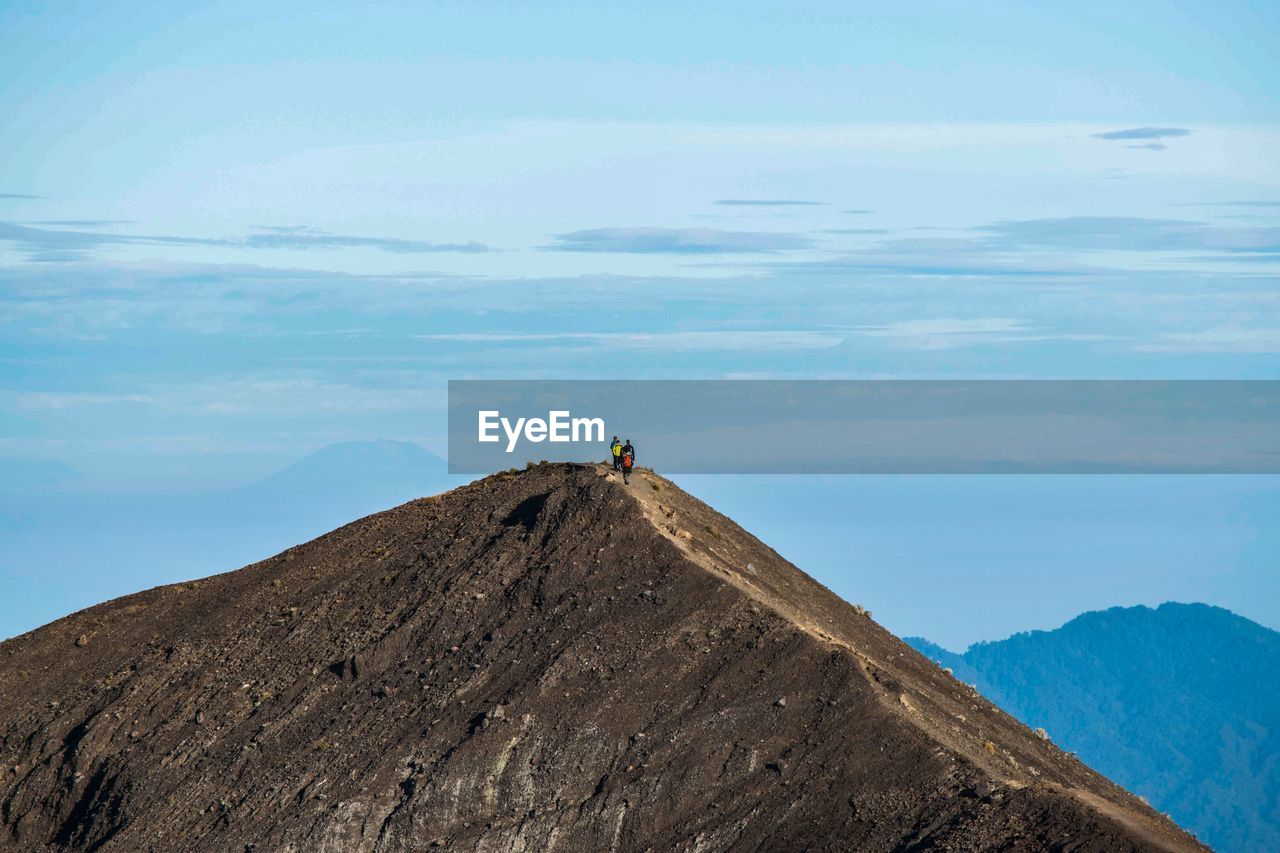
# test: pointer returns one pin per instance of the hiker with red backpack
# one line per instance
(628, 459)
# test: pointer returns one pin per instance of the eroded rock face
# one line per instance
(539, 661)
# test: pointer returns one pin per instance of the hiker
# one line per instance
(628, 459)
(615, 451)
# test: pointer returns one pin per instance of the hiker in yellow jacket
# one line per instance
(615, 448)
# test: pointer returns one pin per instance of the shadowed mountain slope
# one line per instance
(542, 660)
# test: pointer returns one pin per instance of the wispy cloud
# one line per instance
(946, 326)
(930, 334)
(302, 237)
(1144, 133)
(56, 256)
(768, 202)
(61, 400)
(690, 241)
(1248, 203)
(934, 257)
(55, 244)
(18, 195)
(1131, 234)
(923, 266)
(1234, 339)
(1149, 146)
(45, 244)
(82, 223)
(951, 332)
(752, 340)
(247, 395)
(858, 211)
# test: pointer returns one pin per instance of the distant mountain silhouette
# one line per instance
(1180, 704)
(19, 476)
(384, 467)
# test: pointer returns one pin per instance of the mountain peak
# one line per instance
(385, 467)
(22, 476)
(543, 659)
(381, 453)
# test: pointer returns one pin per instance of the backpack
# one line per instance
(626, 461)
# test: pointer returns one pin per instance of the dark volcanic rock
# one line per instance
(543, 660)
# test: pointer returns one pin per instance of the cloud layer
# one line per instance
(1131, 234)
(55, 244)
(768, 202)
(682, 241)
(302, 237)
(1144, 133)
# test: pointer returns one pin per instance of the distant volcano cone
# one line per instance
(544, 660)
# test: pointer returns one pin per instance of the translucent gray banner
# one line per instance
(873, 426)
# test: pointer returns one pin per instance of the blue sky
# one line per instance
(230, 236)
